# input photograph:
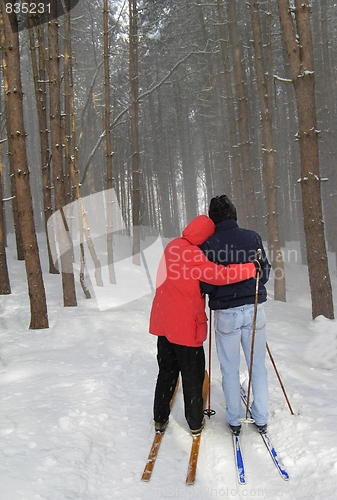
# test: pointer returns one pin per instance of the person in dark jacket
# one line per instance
(234, 312)
(179, 320)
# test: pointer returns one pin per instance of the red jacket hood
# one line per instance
(199, 229)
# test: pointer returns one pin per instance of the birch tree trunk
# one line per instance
(268, 154)
(17, 144)
(297, 34)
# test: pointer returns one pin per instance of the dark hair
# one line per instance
(221, 208)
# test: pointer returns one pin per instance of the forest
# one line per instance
(167, 104)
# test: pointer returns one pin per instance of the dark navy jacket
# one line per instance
(232, 245)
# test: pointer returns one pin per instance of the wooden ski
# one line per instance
(192, 465)
(155, 445)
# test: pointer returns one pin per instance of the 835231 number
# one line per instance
(27, 8)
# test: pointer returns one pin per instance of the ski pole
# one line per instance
(208, 411)
(253, 336)
(279, 379)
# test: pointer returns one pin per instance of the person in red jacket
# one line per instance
(179, 320)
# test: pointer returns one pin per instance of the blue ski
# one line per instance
(240, 467)
(273, 453)
(267, 441)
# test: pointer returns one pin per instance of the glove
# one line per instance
(258, 261)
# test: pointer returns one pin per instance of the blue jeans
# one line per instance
(234, 327)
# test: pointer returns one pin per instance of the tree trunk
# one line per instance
(243, 116)
(268, 153)
(297, 34)
(17, 143)
(330, 211)
(15, 209)
(110, 181)
(40, 77)
(161, 170)
(291, 166)
(174, 228)
(68, 284)
(235, 157)
(189, 174)
(66, 119)
(134, 85)
(213, 131)
(5, 287)
(70, 146)
(74, 173)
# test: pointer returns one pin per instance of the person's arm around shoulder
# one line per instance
(217, 274)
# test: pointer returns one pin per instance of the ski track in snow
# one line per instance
(76, 405)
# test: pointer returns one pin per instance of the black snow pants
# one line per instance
(190, 362)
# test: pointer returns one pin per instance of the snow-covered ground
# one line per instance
(76, 404)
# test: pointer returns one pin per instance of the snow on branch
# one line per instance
(306, 73)
(280, 79)
(315, 176)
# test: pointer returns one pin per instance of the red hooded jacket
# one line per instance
(178, 308)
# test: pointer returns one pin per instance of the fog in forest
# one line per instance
(171, 103)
